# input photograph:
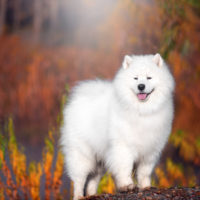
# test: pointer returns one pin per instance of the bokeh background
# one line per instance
(46, 46)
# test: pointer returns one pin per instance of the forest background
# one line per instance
(46, 46)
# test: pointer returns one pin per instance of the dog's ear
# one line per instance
(127, 61)
(157, 59)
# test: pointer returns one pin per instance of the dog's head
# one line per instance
(145, 81)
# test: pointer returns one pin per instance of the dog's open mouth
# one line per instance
(143, 96)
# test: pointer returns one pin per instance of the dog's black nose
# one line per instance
(141, 87)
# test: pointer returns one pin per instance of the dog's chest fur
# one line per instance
(144, 134)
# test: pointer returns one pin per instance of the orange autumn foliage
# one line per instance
(26, 184)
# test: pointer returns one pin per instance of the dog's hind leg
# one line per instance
(79, 166)
(93, 182)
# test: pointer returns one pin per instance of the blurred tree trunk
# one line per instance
(53, 13)
(37, 18)
(3, 4)
(44, 10)
(17, 13)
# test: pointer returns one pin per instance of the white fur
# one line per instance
(105, 121)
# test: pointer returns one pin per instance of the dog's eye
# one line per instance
(136, 78)
(148, 78)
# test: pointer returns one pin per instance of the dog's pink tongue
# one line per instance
(142, 96)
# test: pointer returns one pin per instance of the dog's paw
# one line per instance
(126, 188)
(144, 188)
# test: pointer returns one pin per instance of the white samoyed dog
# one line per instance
(121, 123)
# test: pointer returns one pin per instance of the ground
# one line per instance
(152, 193)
